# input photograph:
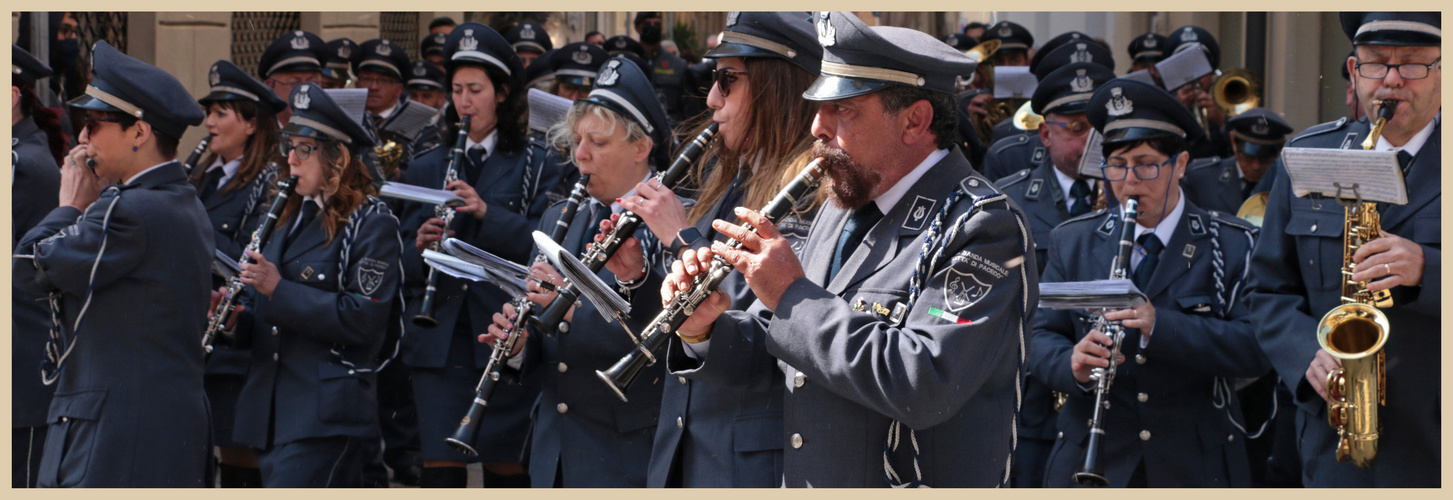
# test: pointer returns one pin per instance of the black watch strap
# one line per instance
(684, 238)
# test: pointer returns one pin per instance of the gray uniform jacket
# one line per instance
(1215, 184)
(1165, 406)
(853, 366)
(1296, 279)
(1012, 154)
(129, 410)
(37, 179)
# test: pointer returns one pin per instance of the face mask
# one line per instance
(651, 34)
(63, 54)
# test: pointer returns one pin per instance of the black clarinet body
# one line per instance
(425, 318)
(620, 375)
(260, 237)
(196, 155)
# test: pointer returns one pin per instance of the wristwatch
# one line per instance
(684, 238)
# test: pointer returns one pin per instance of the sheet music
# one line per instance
(491, 262)
(1184, 67)
(587, 283)
(420, 194)
(1014, 82)
(1098, 294)
(1092, 157)
(1375, 175)
(354, 102)
(1143, 76)
(546, 109)
(224, 267)
(462, 269)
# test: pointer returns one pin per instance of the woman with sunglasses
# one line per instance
(234, 181)
(710, 434)
(505, 179)
(324, 293)
(585, 436)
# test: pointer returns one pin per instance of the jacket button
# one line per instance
(561, 408)
(274, 331)
(1314, 227)
(799, 380)
(1145, 435)
(682, 380)
(796, 441)
(1141, 397)
(561, 367)
(1230, 438)
(1060, 436)
(226, 227)
(274, 356)
(65, 419)
(352, 372)
(680, 423)
(1139, 360)
(464, 288)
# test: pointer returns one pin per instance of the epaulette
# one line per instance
(1200, 163)
(977, 186)
(1231, 220)
(1013, 178)
(1084, 217)
(1321, 128)
(1008, 142)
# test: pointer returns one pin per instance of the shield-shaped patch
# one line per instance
(370, 275)
(961, 290)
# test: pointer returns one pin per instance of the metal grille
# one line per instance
(401, 28)
(108, 26)
(252, 32)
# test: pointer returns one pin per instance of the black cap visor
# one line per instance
(832, 88)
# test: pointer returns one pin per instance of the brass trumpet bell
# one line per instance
(1025, 118)
(1236, 91)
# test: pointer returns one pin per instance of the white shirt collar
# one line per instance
(143, 172)
(383, 115)
(489, 142)
(1066, 183)
(616, 208)
(1414, 144)
(893, 195)
(229, 169)
(1167, 226)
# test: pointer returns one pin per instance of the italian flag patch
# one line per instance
(951, 317)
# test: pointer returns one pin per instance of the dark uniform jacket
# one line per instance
(668, 76)
(1170, 404)
(1216, 184)
(515, 187)
(233, 222)
(1296, 279)
(856, 356)
(36, 180)
(582, 430)
(314, 341)
(1012, 154)
(129, 410)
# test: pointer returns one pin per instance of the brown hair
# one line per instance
(346, 184)
(46, 119)
(779, 139)
(261, 148)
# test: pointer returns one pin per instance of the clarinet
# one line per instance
(682, 305)
(548, 321)
(425, 318)
(260, 236)
(196, 155)
(469, 426)
(1093, 472)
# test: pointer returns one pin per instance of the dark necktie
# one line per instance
(1080, 193)
(475, 165)
(853, 233)
(310, 212)
(598, 212)
(1246, 187)
(1152, 246)
(209, 182)
(1404, 159)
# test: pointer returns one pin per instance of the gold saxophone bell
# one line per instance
(390, 154)
(1253, 210)
(1236, 91)
(1026, 119)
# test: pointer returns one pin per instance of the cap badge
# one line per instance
(299, 41)
(420, 71)
(583, 56)
(1082, 82)
(621, 43)
(527, 32)
(1082, 54)
(1150, 42)
(1260, 127)
(301, 101)
(1074, 36)
(732, 18)
(344, 51)
(383, 49)
(826, 34)
(468, 43)
(608, 75)
(1119, 105)
(1005, 31)
(213, 77)
(1188, 34)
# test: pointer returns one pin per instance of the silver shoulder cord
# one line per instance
(55, 356)
(349, 232)
(1221, 390)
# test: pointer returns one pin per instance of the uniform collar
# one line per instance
(144, 172)
(23, 128)
(1066, 183)
(616, 208)
(229, 169)
(1414, 144)
(1167, 226)
(383, 115)
(893, 195)
(489, 142)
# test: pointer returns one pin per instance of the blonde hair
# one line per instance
(562, 135)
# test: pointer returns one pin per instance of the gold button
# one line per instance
(561, 408)
(1141, 397)
(1145, 435)
(561, 367)
(799, 380)
(680, 424)
(796, 441)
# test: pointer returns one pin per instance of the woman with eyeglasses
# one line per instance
(1173, 419)
(323, 294)
(584, 436)
(505, 179)
(712, 434)
(235, 182)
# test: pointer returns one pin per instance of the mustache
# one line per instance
(849, 182)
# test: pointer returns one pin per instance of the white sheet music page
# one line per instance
(546, 109)
(1014, 82)
(1092, 156)
(1375, 176)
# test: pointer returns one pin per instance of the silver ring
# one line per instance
(1388, 268)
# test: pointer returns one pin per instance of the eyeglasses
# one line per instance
(304, 150)
(92, 122)
(1409, 71)
(1077, 128)
(288, 84)
(370, 81)
(1144, 171)
(724, 78)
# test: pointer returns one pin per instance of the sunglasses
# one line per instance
(1076, 128)
(724, 78)
(93, 122)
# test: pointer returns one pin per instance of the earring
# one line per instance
(134, 149)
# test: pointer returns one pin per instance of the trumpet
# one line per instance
(619, 376)
(195, 156)
(548, 321)
(260, 236)
(1092, 473)
(425, 318)
(1236, 91)
(469, 425)
(1356, 331)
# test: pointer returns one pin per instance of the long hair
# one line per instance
(779, 139)
(511, 119)
(346, 184)
(47, 119)
(261, 148)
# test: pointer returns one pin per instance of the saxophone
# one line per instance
(1355, 332)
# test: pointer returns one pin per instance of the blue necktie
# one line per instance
(1080, 192)
(476, 164)
(853, 233)
(1152, 246)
